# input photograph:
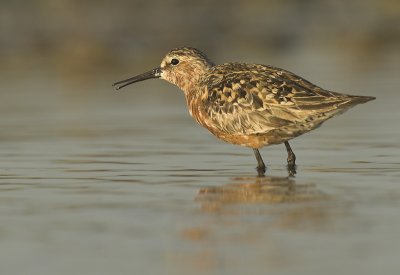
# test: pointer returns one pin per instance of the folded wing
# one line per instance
(257, 99)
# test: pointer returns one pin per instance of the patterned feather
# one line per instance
(248, 104)
(251, 99)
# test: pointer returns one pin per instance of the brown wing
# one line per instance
(255, 99)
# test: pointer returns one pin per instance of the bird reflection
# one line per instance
(257, 190)
(245, 212)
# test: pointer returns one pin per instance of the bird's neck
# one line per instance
(188, 84)
(189, 81)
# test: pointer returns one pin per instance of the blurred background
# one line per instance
(61, 56)
(94, 181)
(92, 37)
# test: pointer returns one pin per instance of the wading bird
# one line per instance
(251, 105)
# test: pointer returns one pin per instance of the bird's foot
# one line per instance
(291, 167)
(291, 164)
(261, 170)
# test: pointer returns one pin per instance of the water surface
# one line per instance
(98, 182)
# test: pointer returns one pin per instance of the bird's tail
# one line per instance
(349, 101)
(356, 99)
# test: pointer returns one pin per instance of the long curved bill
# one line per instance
(155, 73)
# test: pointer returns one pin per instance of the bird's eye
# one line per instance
(174, 61)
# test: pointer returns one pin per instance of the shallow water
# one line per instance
(98, 182)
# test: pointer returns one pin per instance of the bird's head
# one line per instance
(182, 67)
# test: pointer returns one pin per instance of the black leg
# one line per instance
(261, 165)
(291, 160)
